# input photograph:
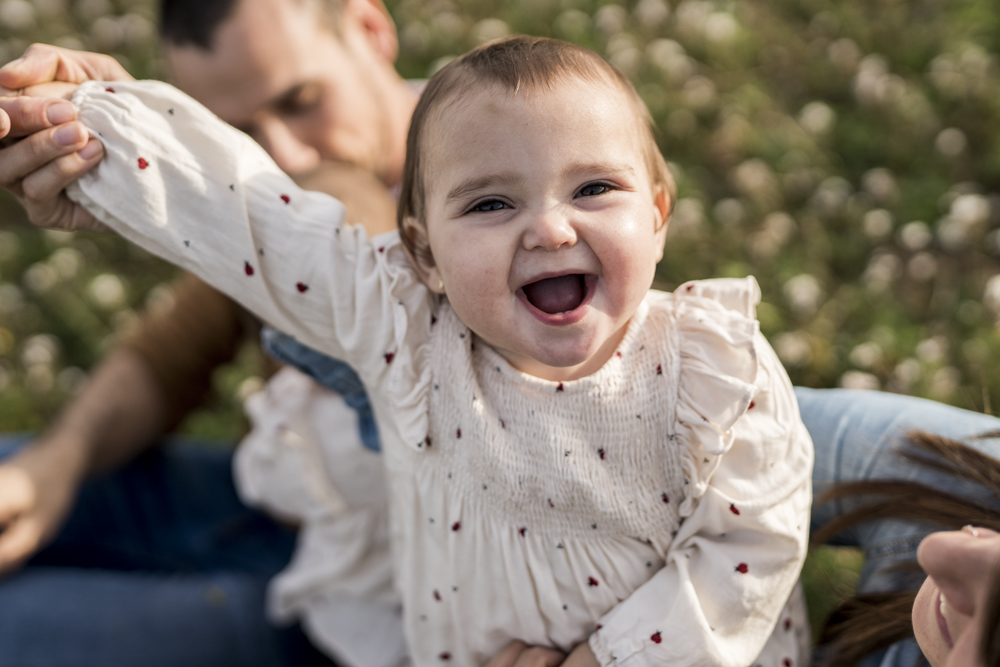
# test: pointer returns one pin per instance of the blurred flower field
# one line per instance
(845, 153)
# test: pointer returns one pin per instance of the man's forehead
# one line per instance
(263, 50)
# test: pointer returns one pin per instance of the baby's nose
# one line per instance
(550, 230)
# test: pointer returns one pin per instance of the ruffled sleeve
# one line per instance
(742, 541)
(182, 184)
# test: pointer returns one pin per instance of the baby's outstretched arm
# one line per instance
(184, 185)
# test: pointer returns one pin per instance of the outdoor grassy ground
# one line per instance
(844, 152)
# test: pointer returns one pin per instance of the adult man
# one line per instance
(311, 82)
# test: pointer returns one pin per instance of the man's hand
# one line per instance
(519, 654)
(42, 63)
(38, 487)
(581, 656)
(55, 150)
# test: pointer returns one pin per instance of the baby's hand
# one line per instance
(519, 654)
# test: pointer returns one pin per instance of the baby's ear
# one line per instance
(662, 207)
(419, 249)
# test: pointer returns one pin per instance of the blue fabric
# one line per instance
(158, 564)
(329, 372)
(859, 436)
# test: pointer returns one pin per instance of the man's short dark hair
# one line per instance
(184, 22)
(195, 22)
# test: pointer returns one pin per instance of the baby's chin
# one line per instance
(564, 360)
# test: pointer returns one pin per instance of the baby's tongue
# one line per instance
(556, 295)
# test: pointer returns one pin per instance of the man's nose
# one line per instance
(289, 152)
(549, 229)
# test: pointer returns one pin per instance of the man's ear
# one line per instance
(419, 249)
(376, 24)
(662, 206)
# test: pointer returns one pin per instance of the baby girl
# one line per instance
(573, 460)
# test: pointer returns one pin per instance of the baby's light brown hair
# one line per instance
(512, 65)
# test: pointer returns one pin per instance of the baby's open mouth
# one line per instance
(561, 294)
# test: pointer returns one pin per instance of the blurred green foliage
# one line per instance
(845, 153)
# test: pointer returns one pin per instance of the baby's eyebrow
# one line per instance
(478, 183)
(604, 168)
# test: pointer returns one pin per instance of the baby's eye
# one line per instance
(488, 205)
(594, 189)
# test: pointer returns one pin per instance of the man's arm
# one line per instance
(147, 385)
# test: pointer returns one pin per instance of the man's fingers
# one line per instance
(20, 161)
(43, 196)
(536, 656)
(508, 655)
(42, 63)
(18, 542)
(519, 654)
(4, 124)
(52, 89)
(49, 180)
(32, 114)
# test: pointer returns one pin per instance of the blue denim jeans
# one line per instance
(158, 564)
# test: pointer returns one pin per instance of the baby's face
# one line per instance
(543, 223)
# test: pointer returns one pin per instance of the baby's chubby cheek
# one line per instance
(477, 291)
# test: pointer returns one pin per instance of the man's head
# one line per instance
(310, 80)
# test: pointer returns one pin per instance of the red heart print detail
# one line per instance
(522, 530)
(665, 498)
(302, 287)
(734, 509)
(445, 656)
(109, 89)
(437, 596)
(592, 582)
(389, 356)
(458, 434)
(143, 163)
(247, 268)
(559, 387)
(742, 568)
(656, 637)
(456, 526)
(286, 199)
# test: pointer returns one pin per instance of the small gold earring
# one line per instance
(440, 284)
